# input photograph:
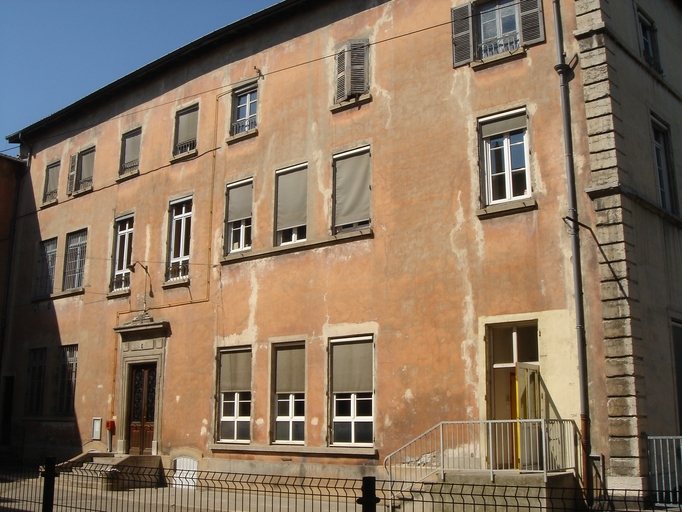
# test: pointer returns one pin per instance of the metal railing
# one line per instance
(538, 446)
(120, 282)
(130, 166)
(50, 196)
(492, 47)
(177, 270)
(185, 147)
(665, 468)
(244, 125)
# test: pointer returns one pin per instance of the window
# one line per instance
(35, 381)
(352, 65)
(352, 391)
(51, 183)
(664, 176)
(80, 171)
(239, 199)
(352, 190)
(68, 362)
(74, 263)
(292, 191)
(506, 171)
(123, 250)
(290, 394)
(484, 30)
(648, 41)
(47, 260)
(235, 396)
(186, 130)
(130, 152)
(180, 234)
(245, 103)
(676, 329)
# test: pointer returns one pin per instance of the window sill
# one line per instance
(82, 191)
(508, 208)
(118, 294)
(47, 204)
(59, 295)
(297, 246)
(345, 451)
(491, 61)
(127, 175)
(363, 99)
(241, 136)
(175, 283)
(184, 156)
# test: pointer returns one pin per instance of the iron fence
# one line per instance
(100, 487)
(665, 468)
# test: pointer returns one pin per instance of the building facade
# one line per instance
(299, 242)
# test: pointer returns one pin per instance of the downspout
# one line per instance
(564, 71)
(10, 251)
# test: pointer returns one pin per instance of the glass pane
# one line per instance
(518, 157)
(247, 234)
(363, 407)
(527, 343)
(342, 432)
(226, 430)
(177, 226)
(188, 228)
(497, 161)
(138, 395)
(363, 432)
(298, 433)
(282, 431)
(299, 408)
(503, 350)
(283, 407)
(342, 405)
(151, 394)
(519, 187)
(499, 188)
(243, 430)
(508, 17)
(244, 408)
(228, 408)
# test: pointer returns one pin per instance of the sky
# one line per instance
(54, 52)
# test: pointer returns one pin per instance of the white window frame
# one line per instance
(291, 418)
(123, 247)
(74, 259)
(296, 233)
(131, 166)
(188, 146)
(179, 260)
(238, 398)
(239, 231)
(507, 153)
(353, 418)
(502, 42)
(47, 267)
(68, 365)
(51, 195)
(249, 120)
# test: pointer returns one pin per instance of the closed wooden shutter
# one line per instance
(359, 52)
(462, 35)
(72, 174)
(532, 29)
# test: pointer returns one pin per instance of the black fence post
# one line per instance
(48, 484)
(369, 498)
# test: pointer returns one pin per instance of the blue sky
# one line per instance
(54, 52)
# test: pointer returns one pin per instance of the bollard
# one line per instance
(369, 498)
(48, 484)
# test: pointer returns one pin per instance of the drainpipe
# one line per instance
(12, 229)
(564, 71)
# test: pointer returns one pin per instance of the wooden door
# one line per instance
(142, 409)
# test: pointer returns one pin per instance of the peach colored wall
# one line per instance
(419, 284)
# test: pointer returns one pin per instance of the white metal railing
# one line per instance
(505, 44)
(665, 468)
(538, 446)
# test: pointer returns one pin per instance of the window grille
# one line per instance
(46, 267)
(67, 379)
(74, 263)
(36, 381)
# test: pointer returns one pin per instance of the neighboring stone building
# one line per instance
(296, 244)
